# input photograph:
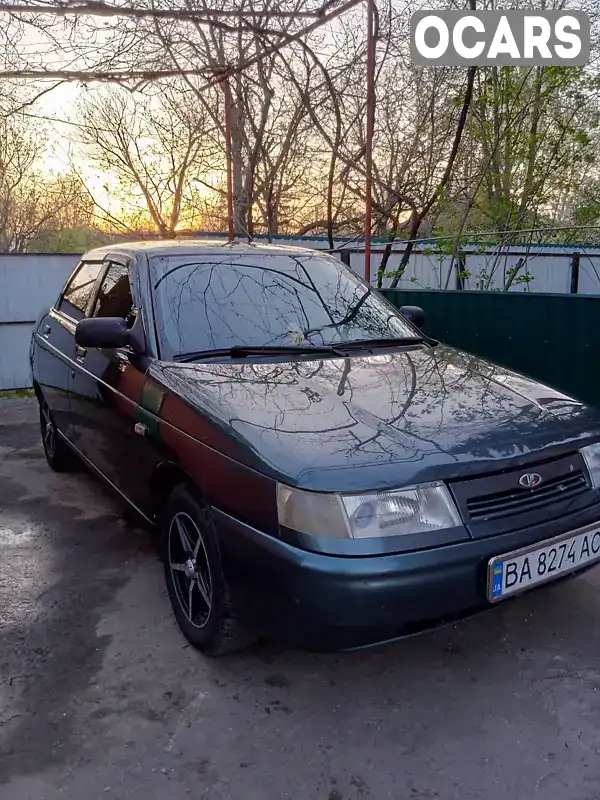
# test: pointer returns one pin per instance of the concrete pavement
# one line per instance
(100, 697)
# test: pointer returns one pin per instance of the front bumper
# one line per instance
(324, 602)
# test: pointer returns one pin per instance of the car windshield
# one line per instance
(219, 301)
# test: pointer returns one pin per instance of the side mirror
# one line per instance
(111, 332)
(414, 314)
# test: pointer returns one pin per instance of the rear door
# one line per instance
(56, 352)
(106, 390)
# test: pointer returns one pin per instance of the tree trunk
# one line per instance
(237, 161)
(272, 213)
(532, 147)
(418, 217)
(415, 224)
(388, 250)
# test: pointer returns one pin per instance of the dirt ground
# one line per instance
(100, 697)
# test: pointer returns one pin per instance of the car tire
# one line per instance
(58, 454)
(198, 590)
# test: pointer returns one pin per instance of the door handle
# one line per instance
(47, 331)
(80, 353)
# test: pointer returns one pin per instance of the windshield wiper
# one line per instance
(369, 344)
(339, 349)
(241, 351)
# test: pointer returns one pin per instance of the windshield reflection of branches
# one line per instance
(268, 300)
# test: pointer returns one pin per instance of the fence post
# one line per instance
(345, 257)
(575, 273)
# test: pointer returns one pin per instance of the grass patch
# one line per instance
(16, 393)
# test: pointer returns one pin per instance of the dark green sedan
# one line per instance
(319, 470)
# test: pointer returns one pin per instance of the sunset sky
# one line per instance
(63, 153)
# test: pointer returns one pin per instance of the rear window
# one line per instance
(76, 296)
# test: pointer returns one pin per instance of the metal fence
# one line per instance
(27, 284)
(517, 268)
(528, 265)
(554, 338)
(542, 334)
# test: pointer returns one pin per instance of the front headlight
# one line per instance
(591, 456)
(417, 509)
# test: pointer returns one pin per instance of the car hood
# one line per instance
(373, 422)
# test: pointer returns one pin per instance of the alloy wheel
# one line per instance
(190, 569)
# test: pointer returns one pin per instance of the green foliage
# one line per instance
(7, 394)
(532, 138)
(587, 211)
(76, 240)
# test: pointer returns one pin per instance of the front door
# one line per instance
(56, 351)
(106, 390)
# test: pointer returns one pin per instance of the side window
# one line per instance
(78, 291)
(114, 298)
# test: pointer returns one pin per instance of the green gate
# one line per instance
(550, 337)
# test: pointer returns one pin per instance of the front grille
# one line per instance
(517, 500)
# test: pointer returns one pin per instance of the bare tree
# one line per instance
(453, 150)
(158, 147)
(247, 82)
(30, 200)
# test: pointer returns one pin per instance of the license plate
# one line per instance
(522, 569)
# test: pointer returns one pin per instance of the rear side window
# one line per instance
(114, 298)
(77, 294)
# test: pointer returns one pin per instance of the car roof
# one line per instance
(192, 247)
